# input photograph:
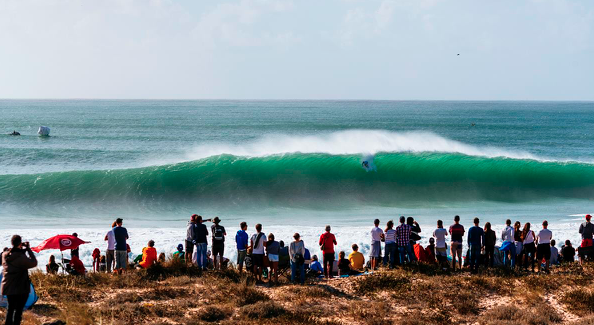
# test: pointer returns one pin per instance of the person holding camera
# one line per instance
(16, 284)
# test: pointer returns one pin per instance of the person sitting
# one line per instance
(102, 264)
(430, 252)
(306, 259)
(568, 252)
(283, 256)
(554, 253)
(96, 259)
(180, 254)
(78, 268)
(316, 267)
(357, 260)
(149, 256)
(52, 267)
(161, 258)
(344, 266)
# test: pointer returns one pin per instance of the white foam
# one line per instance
(366, 142)
(167, 239)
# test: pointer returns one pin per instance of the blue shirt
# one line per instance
(120, 234)
(241, 239)
(476, 235)
(316, 266)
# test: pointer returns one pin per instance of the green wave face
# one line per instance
(310, 179)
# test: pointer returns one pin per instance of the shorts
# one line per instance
(189, 247)
(218, 248)
(456, 247)
(241, 256)
(543, 251)
(273, 257)
(584, 251)
(121, 259)
(376, 248)
(258, 259)
(586, 243)
(443, 251)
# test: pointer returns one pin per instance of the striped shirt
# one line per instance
(390, 236)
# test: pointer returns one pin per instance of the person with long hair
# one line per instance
(529, 246)
(519, 242)
(272, 250)
(390, 247)
(490, 240)
(16, 284)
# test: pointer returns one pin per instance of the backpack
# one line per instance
(219, 233)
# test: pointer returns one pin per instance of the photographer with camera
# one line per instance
(15, 278)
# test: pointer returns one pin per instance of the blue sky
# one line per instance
(277, 49)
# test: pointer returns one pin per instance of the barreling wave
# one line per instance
(300, 179)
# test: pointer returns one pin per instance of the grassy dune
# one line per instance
(174, 294)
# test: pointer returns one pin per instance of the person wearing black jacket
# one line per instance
(16, 284)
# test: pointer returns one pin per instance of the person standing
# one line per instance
(121, 249)
(327, 242)
(586, 231)
(376, 244)
(543, 249)
(74, 252)
(529, 246)
(272, 250)
(519, 242)
(297, 254)
(457, 233)
(110, 252)
(490, 241)
(16, 284)
(476, 240)
(508, 247)
(201, 243)
(218, 242)
(441, 248)
(191, 236)
(403, 240)
(241, 239)
(390, 248)
(257, 246)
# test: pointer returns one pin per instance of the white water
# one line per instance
(351, 142)
(167, 239)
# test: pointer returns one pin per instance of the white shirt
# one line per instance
(110, 240)
(376, 233)
(529, 237)
(440, 237)
(507, 235)
(260, 248)
(390, 236)
(545, 236)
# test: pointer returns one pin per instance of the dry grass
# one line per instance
(176, 294)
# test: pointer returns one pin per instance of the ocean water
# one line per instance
(293, 166)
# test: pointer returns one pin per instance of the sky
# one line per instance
(300, 49)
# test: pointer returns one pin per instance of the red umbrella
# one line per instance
(61, 242)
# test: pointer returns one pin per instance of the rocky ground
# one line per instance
(174, 294)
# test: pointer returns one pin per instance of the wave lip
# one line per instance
(350, 142)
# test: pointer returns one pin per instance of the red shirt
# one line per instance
(78, 265)
(328, 240)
